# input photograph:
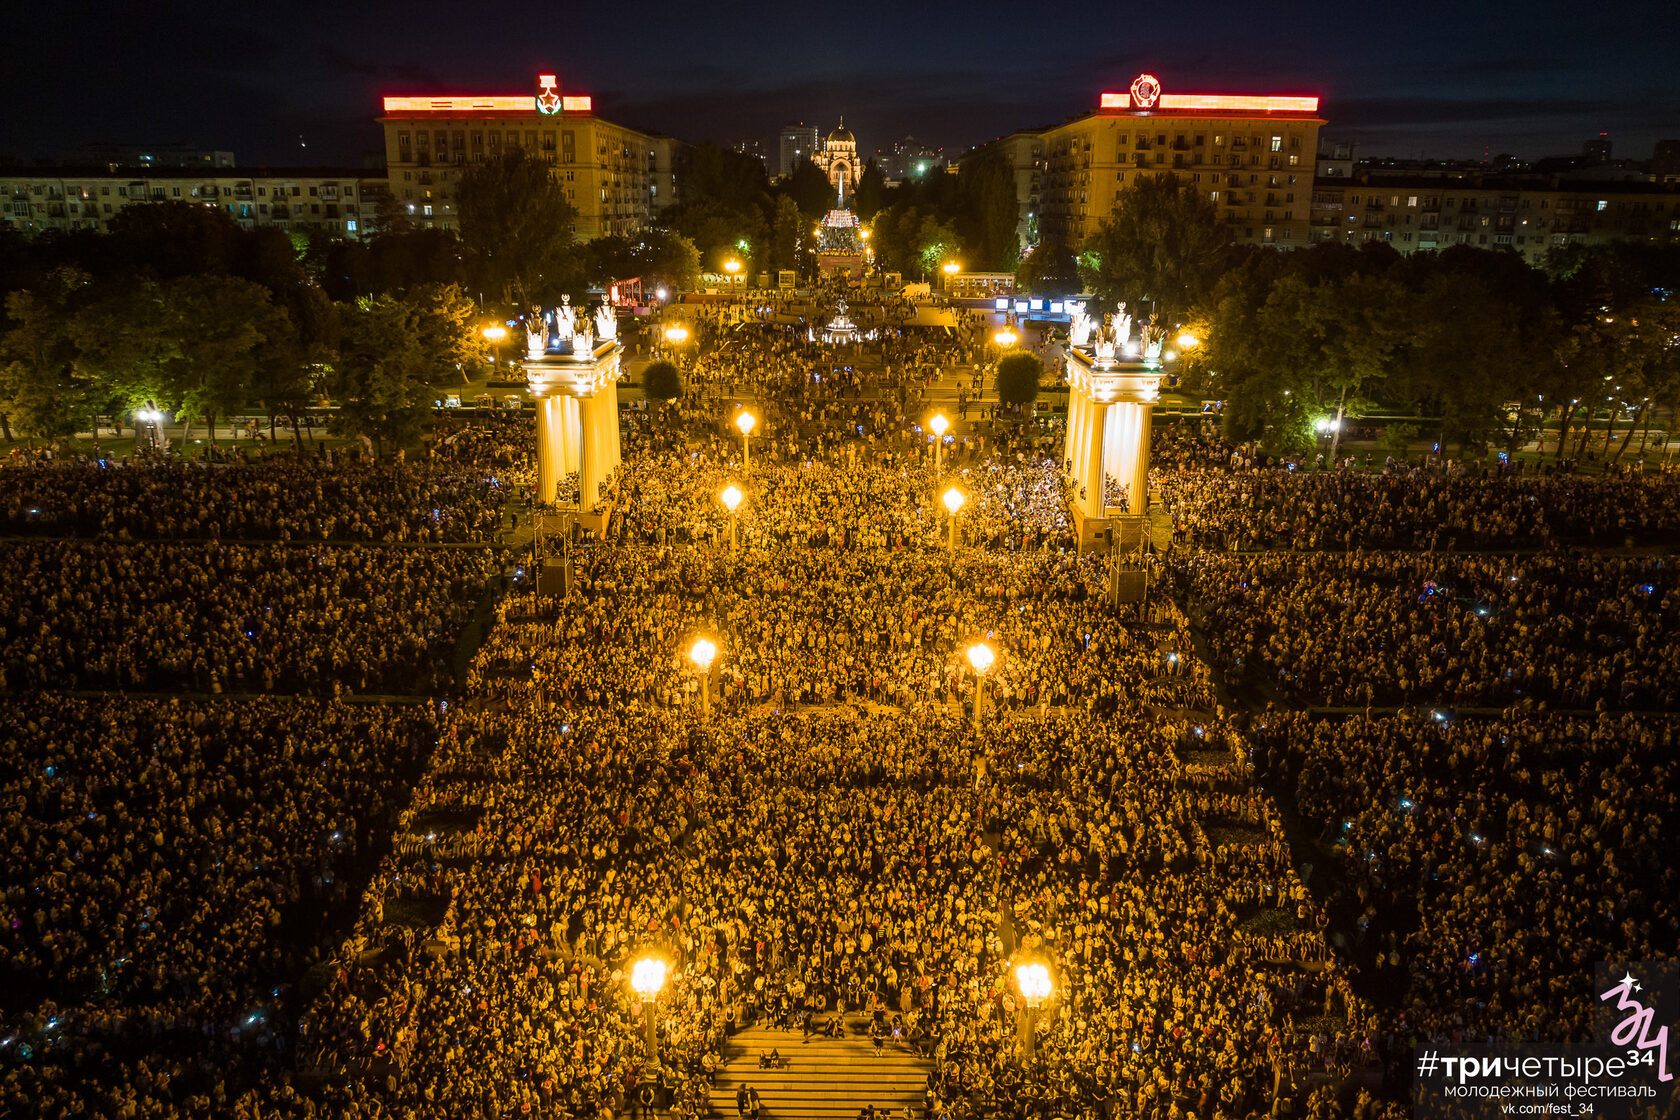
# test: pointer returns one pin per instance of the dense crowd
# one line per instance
(236, 618)
(1493, 861)
(1573, 630)
(277, 499)
(170, 871)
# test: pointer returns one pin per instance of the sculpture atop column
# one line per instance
(1105, 351)
(1152, 337)
(565, 324)
(583, 342)
(606, 322)
(1079, 334)
(1122, 327)
(534, 334)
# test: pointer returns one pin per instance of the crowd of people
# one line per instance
(280, 499)
(1575, 630)
(210, 618)
(1492, 861)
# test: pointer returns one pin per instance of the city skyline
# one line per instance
(944, 73)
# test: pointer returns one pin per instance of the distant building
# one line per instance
(1665, 161)
(1597, 149)
(1336, 158)
(1526, 216)
(162, 156)
(839, 162)
(334, 202)
(752, 148)
(909, 158)
(796, 143)
(1024, 152)
(617, 177)
(1252, 156)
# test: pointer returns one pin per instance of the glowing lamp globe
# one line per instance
(745, 422)
(676, 334)
(647, 976)
(733, 266)
(981, 656)
(731, 497)
(939, 424)
(1034, 980)
(495, 334)
(703, 652)
(1005, 337)
(954, 500)
(1187, 341)
(952, 268)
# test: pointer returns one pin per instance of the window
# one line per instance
(1603, 205)
(427, 209)
(1411, 200)
(1277, 143)
(350, 226)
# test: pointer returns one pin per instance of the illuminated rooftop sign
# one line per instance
(1145, 95)
(547, 101)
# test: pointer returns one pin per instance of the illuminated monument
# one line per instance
(572, 368)
(1114, 378)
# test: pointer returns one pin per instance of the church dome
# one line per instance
(842, 135)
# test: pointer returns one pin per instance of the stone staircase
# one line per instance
(825, 1078)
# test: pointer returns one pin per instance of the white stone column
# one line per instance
(612, 446)
(1070, 440)
(1097, 428)
(1116, 443)
(1139, 496)
(548, 449)
(567, 426)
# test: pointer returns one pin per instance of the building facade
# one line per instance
(1527, 217)
(616, 177)
(334, 203)
(795, 144)
(1252, 156)
(839, 162)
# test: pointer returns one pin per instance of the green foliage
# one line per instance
(661, 381)
(216, 329)
(810, 190)
(871, 185)
(516, 225)
(1048, 270)
(726, 178)
(1018, 374)
(43, 392)
(988, 213)
(448, 333)
(1163, 243)
(381, 376)
(785, 239)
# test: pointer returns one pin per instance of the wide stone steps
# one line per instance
(825, 1078)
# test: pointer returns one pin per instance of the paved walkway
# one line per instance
(824, 1079)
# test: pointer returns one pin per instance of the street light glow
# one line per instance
(1187, 341)
(745, 422)
(495, 334)
(731, 497)
(676, 333)
(702, 653)
(954, 500)
(980, 656)
(1034, 980)
(1005, 337)
(732, 266)
(647, 976)
(952, 268)
(939, 424)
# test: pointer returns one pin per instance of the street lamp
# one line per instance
(745, 422)
(731, 497)
(702, 653)
(494, 335)
(1006, 336)
(1034, 981)
(938, 425)
(954, 500)
(1188, 341)
(732, 266)
(980, 656)
(647, 977)
(951, 268)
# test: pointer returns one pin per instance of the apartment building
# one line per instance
(330, 201)
(1252, 156)
(616, 177)
(1529, 217)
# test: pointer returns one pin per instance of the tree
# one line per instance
(218, 327)
(169, 239)
(1049, 269)
(1018, 375)
(516, 224)
(871, 185)
(125, 348)
(449, 336)
(661, 381)
(785, 235)
(810, 190)
(42, 389)
(1162, 244)
(989, 212)
(380, 377)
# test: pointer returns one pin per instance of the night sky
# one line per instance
(298, 83)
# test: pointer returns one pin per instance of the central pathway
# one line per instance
(825, 1078)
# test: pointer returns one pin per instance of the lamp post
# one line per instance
(733, 267)
(951, 268)
(980, 656)
(954, 500)
(676, 334)
(647, 977)
(494, 335)
(1034, 981)
(745, 422)
(702, 653)
(1006, 336)
(939, 426)
(731, 497)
